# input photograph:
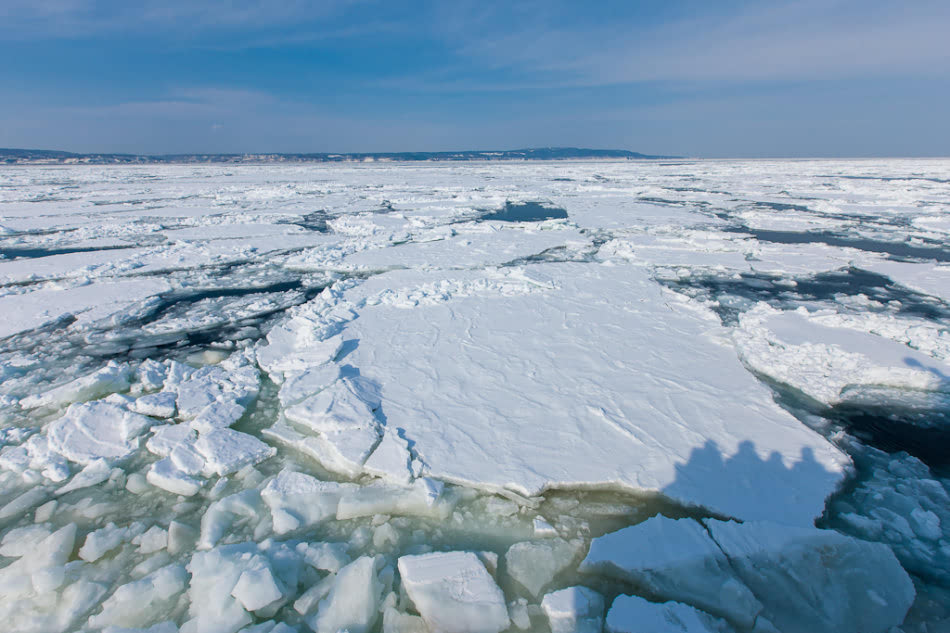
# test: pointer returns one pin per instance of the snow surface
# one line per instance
(286, 397)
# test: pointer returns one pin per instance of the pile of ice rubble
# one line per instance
(246, 565)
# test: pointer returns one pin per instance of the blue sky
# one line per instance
(721, 78)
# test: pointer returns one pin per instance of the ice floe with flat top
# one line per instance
(599, 358)
(799, 579)
(833, 364)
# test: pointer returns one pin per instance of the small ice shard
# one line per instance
(391, 459)
(144, 602)
(632, 614)
(112, 378)
(217, 415)
(227, 451)
(676, 560)
(152, 540)
(298, 500)
(22, 540)
(542, 528)
(93, 473)
(534, 564)
(24, 503)
(180, 537)
(454, 593)
(341, 406)
(167, 436)
(157, 405)
(423, 498)
(331, 557)
(817, 580)
(95, 430)
(214, 575)
(220, 514)
(300, 385)
(574, 610)
(353, 602)
(43, 562)
(343, 451)
(151, 374)
(165, 475)
(257, 588)
(102, 541)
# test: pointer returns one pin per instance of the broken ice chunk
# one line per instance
(632, 614)
(166, 437)
(142, 602)
(217, 415)
(102, 541)
(157, 405)
(454, 593)
(391, 459)
(423, 498)
(300, 385)
(220, 514)
(542, 528)
(341, 406)
(535, 564)
(210, 385)
(94, 473)
(676, 560)
(152, 540)
(574, 610)
(112, 378)
(165, 475)
(257, 588)
(151, 374)
(214, 575)
(298, 500)
(226, 451)
(817, 580)
(94, 430)
(21, 541)
(353, 602)
(288, 348)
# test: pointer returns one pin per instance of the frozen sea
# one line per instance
(565, 396)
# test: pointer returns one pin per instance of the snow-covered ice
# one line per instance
(700, 395)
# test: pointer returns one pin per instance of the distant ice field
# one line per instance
(415, 397)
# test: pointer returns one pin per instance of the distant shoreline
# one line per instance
(52, 157)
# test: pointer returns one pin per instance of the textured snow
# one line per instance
(522, 373)
(267, 398)
(454, 593)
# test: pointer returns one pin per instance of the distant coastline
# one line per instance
(53, 157)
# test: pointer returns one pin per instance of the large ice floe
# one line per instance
(703, 396)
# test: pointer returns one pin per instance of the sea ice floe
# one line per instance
(574, 610)
(831, 364)
(599, 359)
(112, 378)
(632, 614)
(674, 560)
(406, 339)
(535, 564)
(96, 430)
(453, 592)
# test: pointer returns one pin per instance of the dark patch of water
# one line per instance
(894, 249)
(779, 292)
(923, 434)
(315, 221)
(530, 211)
(15, 252)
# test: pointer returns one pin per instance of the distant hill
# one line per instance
(42, 156)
